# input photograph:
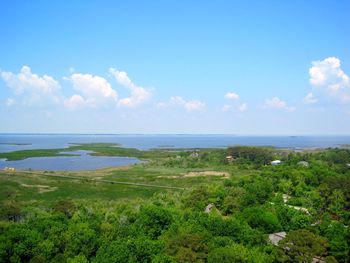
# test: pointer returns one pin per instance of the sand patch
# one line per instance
(207, 173)
(41, 188)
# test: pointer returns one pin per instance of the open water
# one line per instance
(84, 161)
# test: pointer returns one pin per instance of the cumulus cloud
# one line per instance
(310, 98)
(234, 103)
(194, 105)
(93, 91)
(277, 103)
(243, 107)
(328, 79)
(179, 102)
(226, 107)
(75, 102)
(138, 95)
(33, 88)
(232, 96)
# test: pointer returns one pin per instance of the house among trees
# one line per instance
(230, 158)
(276, 162)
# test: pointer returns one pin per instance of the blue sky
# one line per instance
(236, 67)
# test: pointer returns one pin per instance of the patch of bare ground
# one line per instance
(207, 173)
(41, 188)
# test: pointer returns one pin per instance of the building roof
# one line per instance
(274, 162)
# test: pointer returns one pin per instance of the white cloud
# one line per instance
(34, 89)
(235, 105)
(310, 98)
(242, 107)
(232, 96)
(75, 102)
(28, 81)
(327, 78)
(93, 91)
(194, 105)
(176, 101)
(179, 102)
(226, 107)
(277, 103)
(9, 102)
(139, 94)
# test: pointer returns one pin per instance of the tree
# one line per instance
(116, 251)
(80, 238)
(337, 203)
(302, 245)
(10, 211)
(66, 207)
(186, 246)
(153, 220)
(234, 253)
(262, 218)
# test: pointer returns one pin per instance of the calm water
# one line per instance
(83, 161)
(143, 142)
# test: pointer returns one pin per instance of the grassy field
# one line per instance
(41, 186)
(161, 171)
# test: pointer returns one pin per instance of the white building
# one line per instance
(276, 162)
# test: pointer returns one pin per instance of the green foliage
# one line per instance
(302, 245)
(153, 220)
(10, 211)
(66, 207)
(265, 219)
(256, 155)
(89, 221)
(237, 253)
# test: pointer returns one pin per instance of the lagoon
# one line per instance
(84, 161)
(81, 161)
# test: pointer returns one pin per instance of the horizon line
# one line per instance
(168, 134)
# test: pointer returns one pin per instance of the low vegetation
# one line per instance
(77, 217)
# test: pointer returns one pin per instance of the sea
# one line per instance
(84, 161)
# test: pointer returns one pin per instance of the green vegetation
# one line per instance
(80, 217)
(99, 149)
